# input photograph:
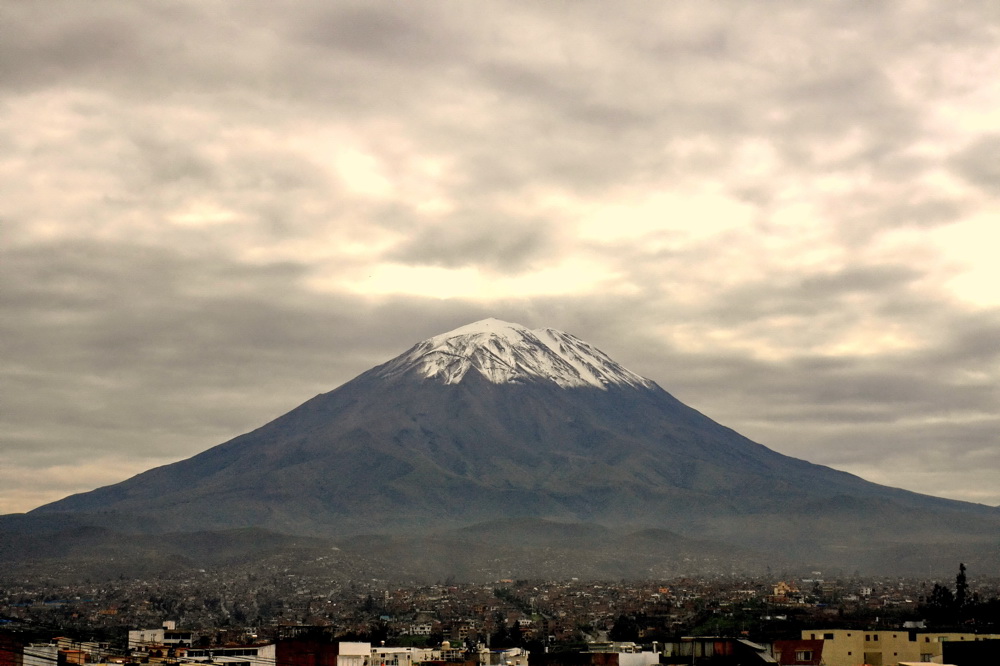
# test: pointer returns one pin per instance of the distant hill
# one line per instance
(492, 446)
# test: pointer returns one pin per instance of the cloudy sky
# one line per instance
(787, 214)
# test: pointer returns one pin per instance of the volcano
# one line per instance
(494, 431)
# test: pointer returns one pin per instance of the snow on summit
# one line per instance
(504, 352)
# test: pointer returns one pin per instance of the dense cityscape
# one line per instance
(241, 608)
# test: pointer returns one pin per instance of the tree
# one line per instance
(500, 638)
(940, 607)
(941, 598)
(961, 588)
(624, 629)
(516, 636)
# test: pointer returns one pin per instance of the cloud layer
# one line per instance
(786, 215)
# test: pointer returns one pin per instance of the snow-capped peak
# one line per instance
(504, 352)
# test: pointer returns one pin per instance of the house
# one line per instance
(802, 652)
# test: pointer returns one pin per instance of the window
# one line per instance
(828, 637)
(868, 637)
(803, 655)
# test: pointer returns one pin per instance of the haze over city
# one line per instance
(785, 215)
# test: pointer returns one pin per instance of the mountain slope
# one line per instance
(493, 421)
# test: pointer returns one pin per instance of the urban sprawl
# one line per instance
(285, 619)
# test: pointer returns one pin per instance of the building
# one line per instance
(715, 651)
(508, 657)
(11, 650)
(399, 656)
(354, 654)
(850, 647)
(246, 655)
(629, 654)
(803, 652)
(304, 651)
(976, 653)
(40, 654)
(165, 636)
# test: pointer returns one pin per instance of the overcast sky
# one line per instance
(787, 214)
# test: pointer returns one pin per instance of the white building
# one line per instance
(509, 657)
(40, 654)
(354, 654)
(250, 655)
(397, 656)
(168, 635)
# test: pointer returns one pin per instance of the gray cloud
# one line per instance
(194, 195)
(400, 35)
(978, 163)
(463, 240)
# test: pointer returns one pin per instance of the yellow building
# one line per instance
(851, 647)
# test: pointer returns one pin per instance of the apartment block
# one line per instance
(851, 647)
